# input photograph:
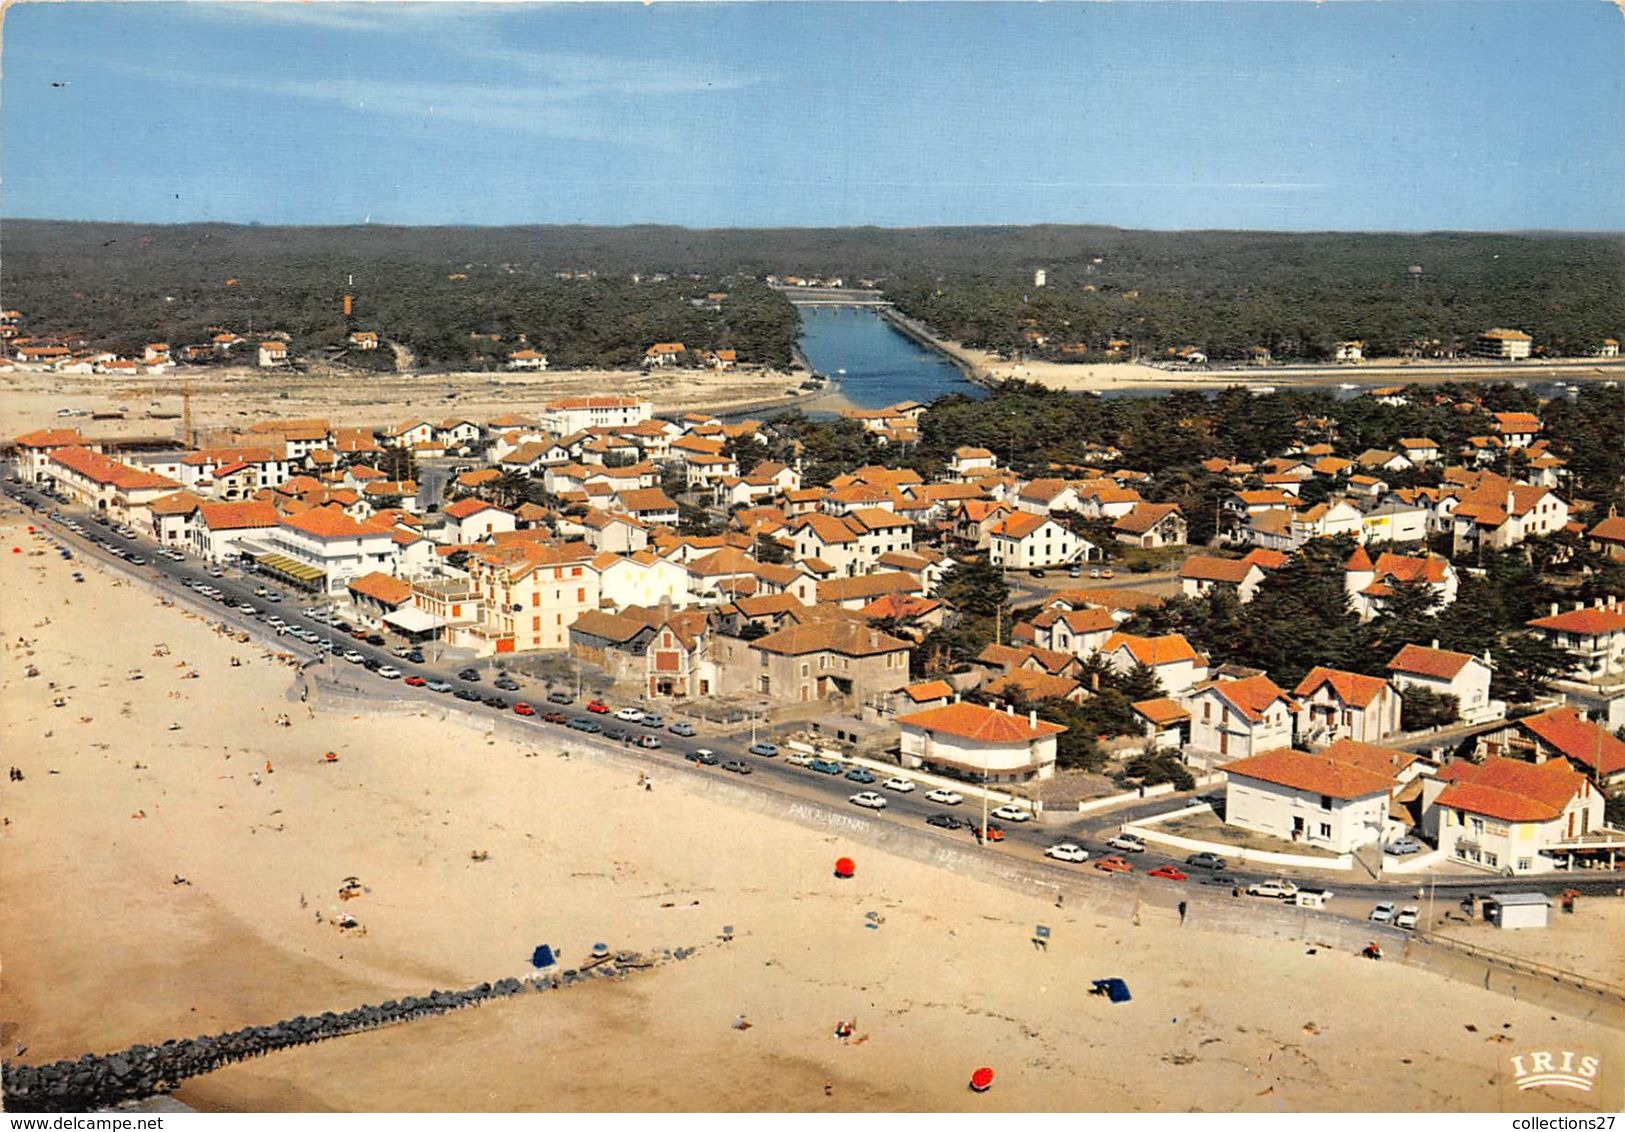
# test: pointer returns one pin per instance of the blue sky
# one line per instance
(1339, 115)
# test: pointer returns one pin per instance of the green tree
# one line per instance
(975, 587)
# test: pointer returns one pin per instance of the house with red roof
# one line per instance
(1177, 666)
(219, 528)
(992, 744)
(34, 450)
(1165, 723)
(1152, 524)
(1315, 800)
(1370, 584)
(472, 520)
(1442, 672)
(1561, 734)
(1202, 575)
(1346, 705)
(1237, 718)
(1516, 818)
(1080, 632)
(1608, 537)
(1023, 540)
(1593, 634)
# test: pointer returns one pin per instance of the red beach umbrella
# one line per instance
(981, 1080)
(845, 867)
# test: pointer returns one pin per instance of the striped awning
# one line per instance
(291, 568)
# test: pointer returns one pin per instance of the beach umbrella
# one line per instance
(845, 867)
(16, 550)
(981, 1080)
(599, 950)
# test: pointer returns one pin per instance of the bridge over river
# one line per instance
(833, 296)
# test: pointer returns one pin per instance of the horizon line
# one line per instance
(856, 227)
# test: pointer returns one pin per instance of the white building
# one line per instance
(1022, 540)
(1308, 799)
(1240, 718)
(328, 542)
(1446, 673)
(981, 742)
(1346, 705)
(1509, 816)
(575, 414)
(1594, 635)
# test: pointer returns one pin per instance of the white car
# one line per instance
(901, 785)
(1127, 843)
(945, 797)
(1277, 888)
(1382, 914)
(1066, 851)
(629, 715)
(353, 657)
(1407, 917)
(869, 800)
(1012, 813)
(390, 672)
(799, 759)
(260, 591)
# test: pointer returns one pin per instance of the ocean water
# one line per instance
(882, 366)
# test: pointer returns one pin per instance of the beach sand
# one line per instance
(236, 398)
(99, 948)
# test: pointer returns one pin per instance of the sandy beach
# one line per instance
(234, 398)
(133, 783)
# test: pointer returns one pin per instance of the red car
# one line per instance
(413, 681)
(993, 833)
(1168, 872)
(598, 707)
(1114, 865)
(555, 717)
(523, 708)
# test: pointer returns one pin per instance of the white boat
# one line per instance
(1262, 390)
(841, 372)
(1348, 386)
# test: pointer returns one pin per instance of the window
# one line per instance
(1524, 864)
(1325, 831)
(1325, 801)
(1491, 860)
(804, 668)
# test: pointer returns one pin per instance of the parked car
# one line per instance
(1407, 917)
(507, 683)
(598, 707)
(1108, 572)
(389, 672)
(648, 742)
(861, 776)
(901, 785)
(1278, 889)
(1210, 861)
(1404, 847)
(1113, 865)
(991, 833)
(738, 766)
(944, 797)
(415, 656)
(375, 640)
(686, 730)
(704, 756)
(497, 702)
(1127, 843)
(560, 698)
(1382, 914)
(414, 681)
(353, 657)
(437, 686)
(824, 766)
(629, 715)
(472, 675)
(1016, 814)
(1066, 851)
(799, 759)
(652, 719)
(766, 750)
(522, 708)
(869, 800)
(1168, 872)
(468, 695)
(555, 717)
(617, 735)
(590, 726)
(944, 821)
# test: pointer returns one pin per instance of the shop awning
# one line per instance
(291, 568)
(411, 619)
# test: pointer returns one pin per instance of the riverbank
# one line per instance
(237, 397)
(174, 855)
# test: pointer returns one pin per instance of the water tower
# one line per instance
(1415, 272)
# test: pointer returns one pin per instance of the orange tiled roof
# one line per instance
(1579, 739)
(849, 638)
(382, 587)
(1588, 622)
(980, 724)
(1441, 664)
(1161, 710)
(1351, 687)
(327, 522)
(1314, 774)
(1152, 651)
(251, 515)
(1251, 695)
(1199, 567)
(928, 690)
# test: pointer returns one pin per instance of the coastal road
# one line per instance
(1024, 842)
